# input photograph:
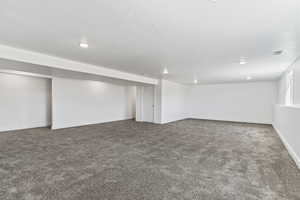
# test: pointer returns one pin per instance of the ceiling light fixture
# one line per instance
(243, 61)
(84, 45)
(195, 81)
(277, 52)
(248, 78)
(165, 71)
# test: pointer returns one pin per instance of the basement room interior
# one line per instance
(150, 100)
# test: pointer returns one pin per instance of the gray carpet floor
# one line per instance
(126, 160)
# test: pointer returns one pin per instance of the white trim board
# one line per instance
(24, 128)
(229, 120)
(77, 125)
(288, 147)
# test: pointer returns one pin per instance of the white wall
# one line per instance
(242, 102)
(132, 101)
(281, 87)
(286, 123)
(173, 101)
(157, 103)
(296, 69)
(24, 102)
(287, 117)
(82, 102)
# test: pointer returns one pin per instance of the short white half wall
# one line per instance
(83, 102)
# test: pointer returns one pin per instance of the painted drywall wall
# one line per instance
(242, 102)
(286, 123)
(287, 117)
(132, 100)
(157, 103)
(24, 102)
(173, 101)
(296, 83)
(229, 102)
(281, 87)
(82, 102)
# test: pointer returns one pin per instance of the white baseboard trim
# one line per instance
(230, 120)
(288, 147)
(10, 129)
(78, 124)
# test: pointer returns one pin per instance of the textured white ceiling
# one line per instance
(193, 39)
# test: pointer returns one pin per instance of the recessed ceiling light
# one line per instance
(243, 61)
(277, 52)
(165, 71)
(195, 81)
(84, 45)
(248, 77)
